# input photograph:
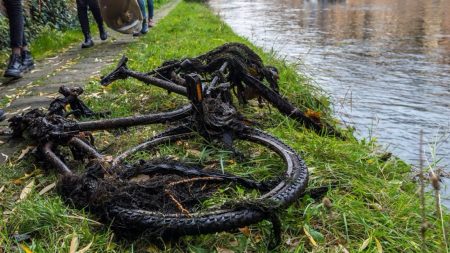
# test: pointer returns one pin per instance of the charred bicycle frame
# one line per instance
(245, 77)
(210, 113)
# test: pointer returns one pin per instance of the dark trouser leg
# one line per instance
(95, 9)
(150, 8)
(16, 23)
(82, 9)
(24, 40)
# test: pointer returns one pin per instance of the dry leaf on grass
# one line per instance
(74, 243)
(245, 231)
(2, 188)
(47, 188)
(85, 249)
(26, 190)
(25, 248)
(141, 178)
(194, 152)
(379, 247)
(365, 244)
(24, 152)
(222, 250)
(311, 239)
(343, 249)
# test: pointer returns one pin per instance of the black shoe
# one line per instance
(27, 61)
(103, 34)
(2, 115)
(88, 42)
(14, 69)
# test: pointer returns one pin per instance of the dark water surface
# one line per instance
(385, 63)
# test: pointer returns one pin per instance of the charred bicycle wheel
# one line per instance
(114, 202)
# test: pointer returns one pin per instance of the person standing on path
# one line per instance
(20, 59)
(144, 28)
(82, 10)
(148, 20)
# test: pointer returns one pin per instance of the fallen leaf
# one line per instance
(47, 188)
(139, 178)
(379, 247)
(24, 152)
(85, 249)
(222, 250)
(26, 190)
(2, 188)
(245, 231)
(25, 248)
(365, 244)
(20, 180)
(343, 249)
(74, 243)
(194, 152)
(311, 239)
(313, 114)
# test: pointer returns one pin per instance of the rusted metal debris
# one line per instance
(165, 201)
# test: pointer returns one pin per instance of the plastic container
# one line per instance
(123, 16)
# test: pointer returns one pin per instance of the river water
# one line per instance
(385, 63)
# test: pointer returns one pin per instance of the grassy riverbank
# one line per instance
(371, 204)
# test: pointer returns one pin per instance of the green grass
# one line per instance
(373, 199)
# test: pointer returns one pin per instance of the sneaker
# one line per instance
(27, 60)
(2, 115)
(151, 23)
(14, 68)
(88, 42)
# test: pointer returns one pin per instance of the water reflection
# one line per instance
(386, 63)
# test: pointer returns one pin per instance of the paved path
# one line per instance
(73, 67)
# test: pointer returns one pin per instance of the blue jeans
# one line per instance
(142, 7)
(150, 8)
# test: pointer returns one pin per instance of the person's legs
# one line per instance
(27, 59)
(95, 9)
(82, 11)
(150, 12)
(16, 25)
(144, 15)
